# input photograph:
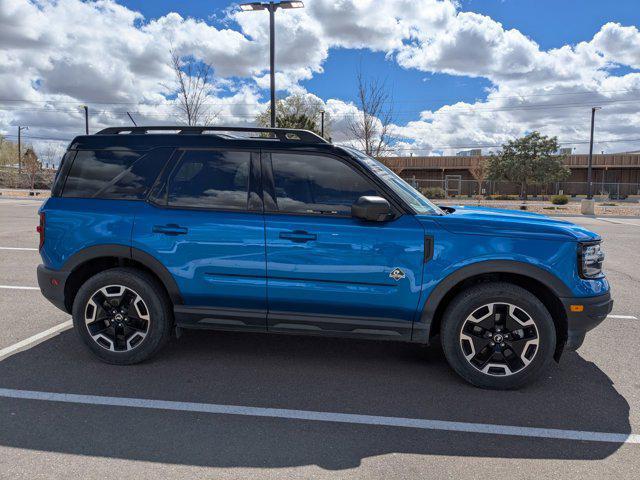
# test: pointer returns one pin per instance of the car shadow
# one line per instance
(304, 373)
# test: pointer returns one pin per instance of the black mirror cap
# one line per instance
(372, 209)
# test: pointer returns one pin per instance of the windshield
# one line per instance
(410, 195)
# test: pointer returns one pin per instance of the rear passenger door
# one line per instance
(328, 271)
(205, 224)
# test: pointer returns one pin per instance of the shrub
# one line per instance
(433, 192)
(559, 199)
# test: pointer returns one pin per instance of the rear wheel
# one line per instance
(122, 315)
(498, 335)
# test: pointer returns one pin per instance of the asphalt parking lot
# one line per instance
(234, 397)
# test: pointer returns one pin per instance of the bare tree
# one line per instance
(32, 166)
(479, 172)
(192, 83)
(51, 153)
(370, 127)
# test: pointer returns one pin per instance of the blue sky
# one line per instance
(550, 23)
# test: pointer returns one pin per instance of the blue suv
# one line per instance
(151, 230)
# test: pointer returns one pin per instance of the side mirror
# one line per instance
(372, 209)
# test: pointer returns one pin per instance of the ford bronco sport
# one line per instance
(150, 230)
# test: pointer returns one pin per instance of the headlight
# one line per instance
(590, 258)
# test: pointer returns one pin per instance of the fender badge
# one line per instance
(396, 274)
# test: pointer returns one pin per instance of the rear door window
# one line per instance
(119, 174)
(210, 179)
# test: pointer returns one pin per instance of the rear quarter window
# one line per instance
(119, 174)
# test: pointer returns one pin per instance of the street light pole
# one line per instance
(271, 7)
(272, 60)
(322, 123)
(589, 168)
(86, 119)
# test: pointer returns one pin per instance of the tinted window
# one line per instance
(316, 184)
(210, 179)
(115, 174)
(61, 173)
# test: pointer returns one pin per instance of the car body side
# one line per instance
(465, 247)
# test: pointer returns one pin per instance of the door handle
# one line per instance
(298, 236)
(170, 229)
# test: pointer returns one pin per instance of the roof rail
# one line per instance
(282, 134)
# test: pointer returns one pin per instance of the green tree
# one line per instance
(297, 111)
(531, 159)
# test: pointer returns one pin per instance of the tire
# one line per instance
(143, 316)
(498, 335)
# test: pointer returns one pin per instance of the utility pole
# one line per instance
(322, 123)
(20, 147)
(589, 169)
(86, 119)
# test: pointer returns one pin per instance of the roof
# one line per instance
(146, 137)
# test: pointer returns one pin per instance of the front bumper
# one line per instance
(51, 283)
(594, 311)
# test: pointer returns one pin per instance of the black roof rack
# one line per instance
(282, 134)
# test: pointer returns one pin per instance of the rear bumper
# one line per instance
(51, 283)
(595, 310)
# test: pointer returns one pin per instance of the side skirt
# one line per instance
(231, 319)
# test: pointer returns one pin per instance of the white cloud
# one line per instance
(619, 44)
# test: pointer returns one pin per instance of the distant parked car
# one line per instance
(148, 231)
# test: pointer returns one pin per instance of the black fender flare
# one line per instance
(127, 252)
(422, 328)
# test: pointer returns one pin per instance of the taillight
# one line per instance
(40, 230)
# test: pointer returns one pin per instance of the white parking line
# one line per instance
(627, 317)
(18, 287)
(35, 339)
(618, 222)
(19, 248)
(418, 423)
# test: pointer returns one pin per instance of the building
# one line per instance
(613, 174)
(474, 152)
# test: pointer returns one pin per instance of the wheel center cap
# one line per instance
(498, 338)
(118, 317)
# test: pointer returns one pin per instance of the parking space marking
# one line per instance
(626, 317)
(618, 223)
(18, 287)
(35, 339)
(19, 248)
(309, 415)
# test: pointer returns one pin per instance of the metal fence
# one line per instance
(455, 187)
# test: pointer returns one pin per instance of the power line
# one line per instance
(575, 142)
(422, 100)
(449, 110)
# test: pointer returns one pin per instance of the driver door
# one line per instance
(328, 271)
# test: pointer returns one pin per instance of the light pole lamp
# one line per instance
(271, 7)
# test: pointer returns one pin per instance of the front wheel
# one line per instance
(122, 315)
(498, 335)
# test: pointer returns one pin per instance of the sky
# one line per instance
(461, 74)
